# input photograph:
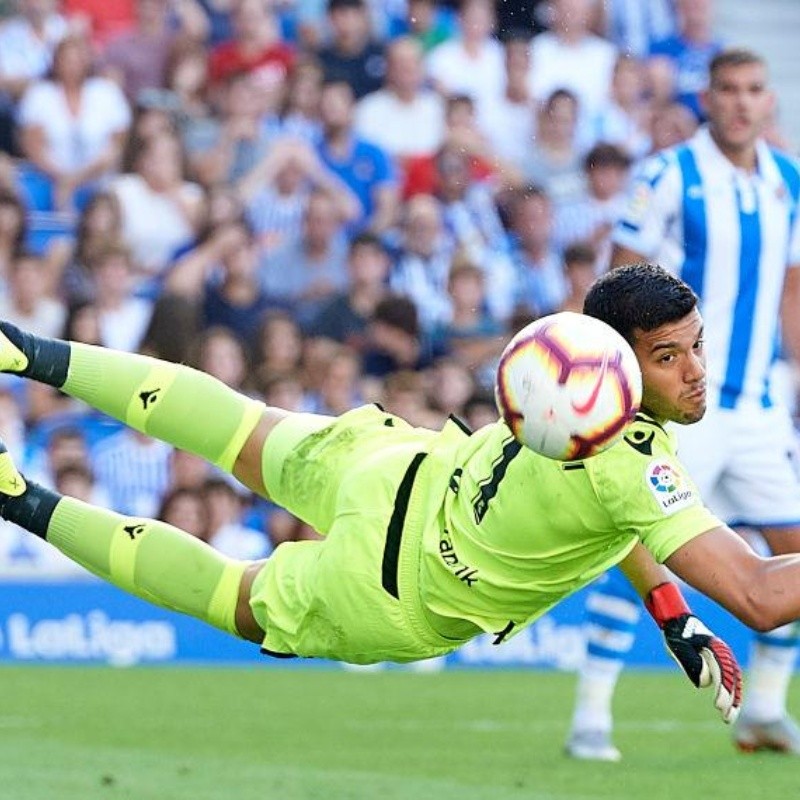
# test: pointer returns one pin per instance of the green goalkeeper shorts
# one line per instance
(359, 479)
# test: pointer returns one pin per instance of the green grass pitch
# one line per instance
(262, 734)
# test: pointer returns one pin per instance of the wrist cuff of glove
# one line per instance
(666, 602)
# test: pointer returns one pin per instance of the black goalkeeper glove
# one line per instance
(706, 659)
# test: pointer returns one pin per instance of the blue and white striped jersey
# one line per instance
(731, 236)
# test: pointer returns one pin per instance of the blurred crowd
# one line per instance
(320, 202)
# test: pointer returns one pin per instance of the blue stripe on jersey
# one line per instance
(694, 222)
(745, 307)
(655, 170)
(598, 651)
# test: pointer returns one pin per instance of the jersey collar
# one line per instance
(643, 416)
(710, 154)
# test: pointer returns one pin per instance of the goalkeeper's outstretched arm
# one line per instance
(763, 593)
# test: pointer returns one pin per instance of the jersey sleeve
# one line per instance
(648, 493)
(653, 201)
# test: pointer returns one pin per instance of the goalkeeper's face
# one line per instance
(673, 362)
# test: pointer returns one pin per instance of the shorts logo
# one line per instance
(671, 491)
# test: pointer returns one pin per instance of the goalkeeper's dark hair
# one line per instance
(639, 296)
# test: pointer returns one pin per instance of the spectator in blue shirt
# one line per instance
(363, 167)
(679, 64)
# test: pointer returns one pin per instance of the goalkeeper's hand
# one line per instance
(706, 659)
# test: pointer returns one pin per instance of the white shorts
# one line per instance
(745, 463)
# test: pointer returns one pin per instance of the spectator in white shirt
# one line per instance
(570, 57)
(625, 119)
(471, 63)
(512, 113)
(554, 160)
(27, 42)
(160, 210)
(26, 303)
(404, 118)
(72, 127)
(226, 531)
(123, 317)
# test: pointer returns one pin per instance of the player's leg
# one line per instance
(612, 612)
(147, 558)
(182, 406)
(764, 484)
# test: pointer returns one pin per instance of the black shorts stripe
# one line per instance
(394, 531)
(273, 654)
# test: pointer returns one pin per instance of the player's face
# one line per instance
(738, 104)
(673, 369)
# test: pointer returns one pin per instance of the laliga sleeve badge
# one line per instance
(671, 489)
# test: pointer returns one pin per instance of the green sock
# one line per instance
(153, 560)
(172, 402)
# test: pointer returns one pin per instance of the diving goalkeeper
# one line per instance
(432, 537)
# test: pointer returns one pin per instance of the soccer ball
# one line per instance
(568, 385)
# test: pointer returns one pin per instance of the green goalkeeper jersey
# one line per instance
(518, 532)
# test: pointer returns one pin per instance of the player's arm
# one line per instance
(643, 571)
(764, 593)
(704, 658)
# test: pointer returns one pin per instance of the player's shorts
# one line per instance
(354, 596)
(744, 462)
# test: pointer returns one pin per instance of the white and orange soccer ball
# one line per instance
(568, 385)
